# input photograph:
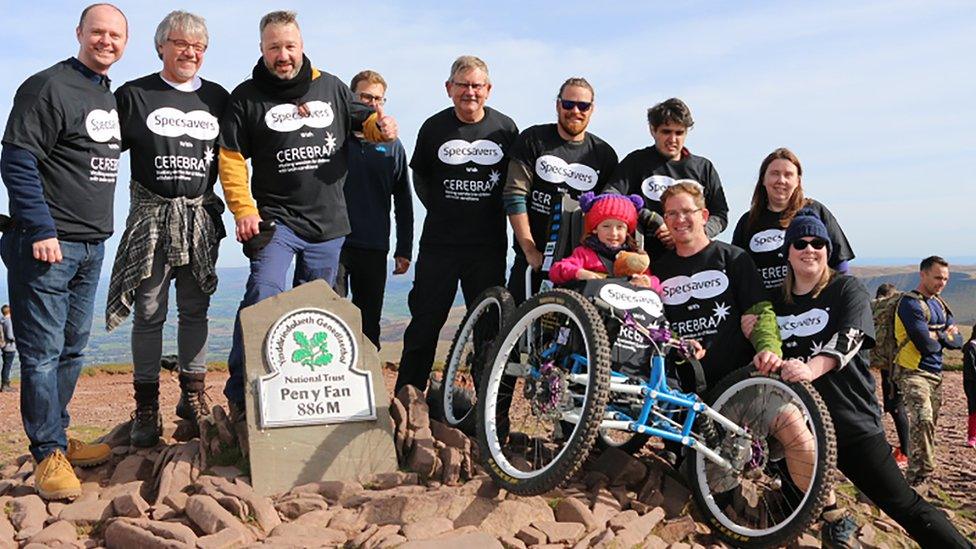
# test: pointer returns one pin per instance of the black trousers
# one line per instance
(363, 273)
(893, 406)
(969, 385)
(434, 287)
(869, 464)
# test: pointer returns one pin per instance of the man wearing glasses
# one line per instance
(377, 171)
(170, 120)
(459, 168)
(547, 161)
(651, 170)
(293, 121)
(707, 286)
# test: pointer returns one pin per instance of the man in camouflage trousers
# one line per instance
(923, 327)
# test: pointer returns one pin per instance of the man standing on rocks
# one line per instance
(170, 122)
(459, 167)
(292, 120)
(651, 170)
(547, 161)
(377, 172)
(923, 327)
(59, 163)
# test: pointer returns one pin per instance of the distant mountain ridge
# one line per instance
(113, 347)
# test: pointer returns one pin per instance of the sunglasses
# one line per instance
(816, 244)
(568, 105)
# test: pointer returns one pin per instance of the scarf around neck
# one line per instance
(287, 90)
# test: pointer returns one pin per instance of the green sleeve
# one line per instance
(765, 334)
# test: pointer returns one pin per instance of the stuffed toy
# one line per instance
(630, 263)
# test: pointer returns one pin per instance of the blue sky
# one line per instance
(876, 98)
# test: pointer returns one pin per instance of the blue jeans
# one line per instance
(53, 304)
(269, 268)
(8, 363)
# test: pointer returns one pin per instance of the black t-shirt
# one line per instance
(299, 163)
(808, 325)
(557, 165)
(705, 296)
(71, 125)
(465, 167)
(649, 173)
(171, 134)
(764, 242)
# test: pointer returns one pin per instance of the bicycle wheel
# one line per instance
(543, 393)
(482, 323)
(780, 478)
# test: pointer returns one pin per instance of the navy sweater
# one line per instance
(377, 173)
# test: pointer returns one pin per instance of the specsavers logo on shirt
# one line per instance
(802, 325)
(555, 170)
(703, 285)
(767, 241)
(103, 126)
(654, 186)
(481, 151)
(286, 118)
(171, 122)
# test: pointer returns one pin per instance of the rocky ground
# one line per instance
(190, 493)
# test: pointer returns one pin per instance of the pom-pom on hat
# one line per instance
(805, 223)
(609, 206)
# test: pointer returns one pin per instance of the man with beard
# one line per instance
(59, 162)
(292, 121)
(170, 121)
(651, 170)
(549, 160)
(458, 166)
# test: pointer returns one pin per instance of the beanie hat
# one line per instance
(598, 208)
(805, 223)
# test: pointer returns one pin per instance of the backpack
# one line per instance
(884, 311)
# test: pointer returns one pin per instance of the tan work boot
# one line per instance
(55, 479)
(87, 455)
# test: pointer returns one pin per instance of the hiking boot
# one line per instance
(55, 479)
(82, 454)
(147, 425)
(194, 404)
(238, 421)
(7, 388)
(900, 458)
(838, 530)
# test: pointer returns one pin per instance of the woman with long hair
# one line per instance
(776, 200)
(826, 327)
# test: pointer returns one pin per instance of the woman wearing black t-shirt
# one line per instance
(777, 199)
(826, 326)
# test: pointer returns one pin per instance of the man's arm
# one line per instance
(951, 338)
(718, 207)
(402, 211)
(913, 319)
(518, 183)
(18, 169)
(237, 193)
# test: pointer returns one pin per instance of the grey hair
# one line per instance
(280, 17)
(191, 24)
(469, 62)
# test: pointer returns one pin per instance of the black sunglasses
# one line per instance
(816, 243)
(568, 105)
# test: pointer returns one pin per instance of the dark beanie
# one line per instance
(805, 223)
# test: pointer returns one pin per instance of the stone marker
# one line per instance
(317, 407)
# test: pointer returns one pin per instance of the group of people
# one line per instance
(325, 165)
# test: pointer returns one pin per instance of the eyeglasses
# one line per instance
(370, 98)
(816, 244)
(183, 45)
(568, 105)
(475, 87)
(678, 214)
